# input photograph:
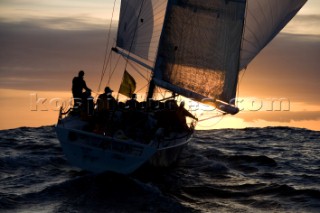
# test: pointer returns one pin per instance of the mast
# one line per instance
(151, 88)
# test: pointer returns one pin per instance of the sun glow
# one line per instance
(36, 57)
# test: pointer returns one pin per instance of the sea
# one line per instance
(272, 169)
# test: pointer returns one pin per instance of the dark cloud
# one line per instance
(288, 67)
(62, 23)
(284, 116)
(33, 57)
(42, 55)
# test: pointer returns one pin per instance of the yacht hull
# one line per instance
(99, 153)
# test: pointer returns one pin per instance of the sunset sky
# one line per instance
(45, 43)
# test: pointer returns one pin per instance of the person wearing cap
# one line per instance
(106, 101)
(105, 108)
(78, 85)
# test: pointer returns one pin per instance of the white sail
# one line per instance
(264, 20)
(140, 26)
(199, 46)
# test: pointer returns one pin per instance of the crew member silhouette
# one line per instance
(133, 103)
(182, 113)
(78, 85)
(106, 101)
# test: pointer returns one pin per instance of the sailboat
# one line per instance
(193, 48)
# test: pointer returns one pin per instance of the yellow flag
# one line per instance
(128, 85)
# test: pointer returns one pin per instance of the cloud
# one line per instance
(75, 22)
(34, 57)
(287, 68)
(93, 12)
(282, 117)
(304, 24)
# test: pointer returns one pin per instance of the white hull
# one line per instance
(98, 153)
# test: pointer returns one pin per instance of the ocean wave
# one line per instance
(229, 170)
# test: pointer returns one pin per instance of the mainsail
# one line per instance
(198, 47)
(199, 51)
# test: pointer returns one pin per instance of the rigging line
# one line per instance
(212, 117)
(136, 69)
(105, 62)
(142, 88)
(218, 121)
(109, 34)
(114, 69)
(134, 35)
(111, 73)
(104, 71)
(158, 91)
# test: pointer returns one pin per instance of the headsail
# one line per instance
(140, 27)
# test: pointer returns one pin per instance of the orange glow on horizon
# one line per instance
(25, 108)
